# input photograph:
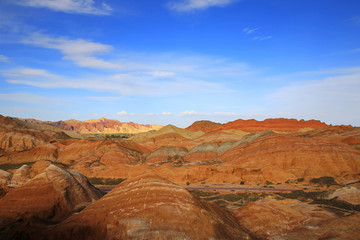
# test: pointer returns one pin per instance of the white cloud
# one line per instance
(250, 30)
(125, 113)
(190, 5)
(190, 113)
(106, 98)
(125, 84)
(159, 114)
(161, 74)
(355, 20)
(166, 113)
(262, 38)
(79, 51)
(355, 50)
(332, 99)
(208, 114)
(4, 59)
(24, 97)
(85, 53)
(155, 74)
(69, 6)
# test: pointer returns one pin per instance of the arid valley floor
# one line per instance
(246, 179)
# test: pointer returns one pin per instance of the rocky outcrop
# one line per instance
(347, 194)
(101, 125)
(15, 136)
(275, 124)
(149, 207)
(278, 157)
(51, 195)
(21, 175)
(271, 219)
(173, 155)
(203, 153)
(346, 227)
(5, 178)
(205, 126)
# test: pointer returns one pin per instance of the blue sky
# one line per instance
(177, 61)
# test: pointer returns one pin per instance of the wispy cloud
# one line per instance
(333, 99)
(143, 74)
(190, 5)
(106, 98)
(162, 74)
(79, 51)
(355, 50)
(125, 113)
(4, 59)
(24, 97)
(207, 114)
(69, 6)
(355, 20)
(125, 84)
(159, 114)
(250, 30)
(261, 38)
(85, 53)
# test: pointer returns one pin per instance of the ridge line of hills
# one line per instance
(45, 191)
(104, 125)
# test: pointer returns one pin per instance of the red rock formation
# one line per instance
(277, 157)
(168, 139)
(217, 137)
(101, 125)
(270, 218)
(203, 153)
(21, 175)
(347, 194)
(149, 207)
(5, 178)
(346, 227)
(205, 126)
(275, 124)
(17, 137)
(52, 195)
(173, 155)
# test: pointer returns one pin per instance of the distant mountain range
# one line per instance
(101, 125)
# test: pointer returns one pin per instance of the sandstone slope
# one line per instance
(149, 207)
(275, 124)
(101, 125)
(205, 126)
(52, 195)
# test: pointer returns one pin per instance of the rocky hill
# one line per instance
(44, 193)
(101, 125)
(275, 124)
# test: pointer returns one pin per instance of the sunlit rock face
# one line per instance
(52, 195)
(101, 125)
(278, 157)
(149, 207)
(275, 124)
(205, 126)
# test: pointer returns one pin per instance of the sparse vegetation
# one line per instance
(11, 166)
(307, 135)
(322, 181)
(203, 193)
(299, 180)
(106, 181)
(303, 196)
